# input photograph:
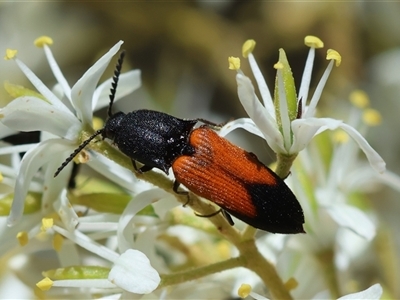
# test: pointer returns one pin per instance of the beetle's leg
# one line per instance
(213, 125)
(227, 217)
(142, 169)
(175, 189)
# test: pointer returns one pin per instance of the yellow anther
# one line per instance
(372, 117)
(97, 123)
(278, 65)
(82, 158)
(46, 224)
(234, 63)
(43, 40)
(359, 98)
(340, 137)
(45, 284)
(313, 42)
(333, 54)
(248, 47)
(244, 290)
(10, 54)
(58, 240)
(1, 177)
(291, 284)
(23, 238)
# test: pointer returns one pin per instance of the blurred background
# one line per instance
(182, 49)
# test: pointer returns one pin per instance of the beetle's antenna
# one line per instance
(114, 83)
(77, 150)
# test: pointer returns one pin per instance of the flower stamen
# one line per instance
(10, 54)
(40, 42)
(45, 284)
(234, 63)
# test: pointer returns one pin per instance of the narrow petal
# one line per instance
(52, 187)
(82, 91)
(32, 161)
(84, 283)
(133, 272)
(39, 85)
(85, 242)
(57, 72)
(66, 212)
(34, 114)
(244, 123)
(352, 218)
(306, 79)
(261, 117)
(375, 160)
(120, 175)
(262, 85)
(310, 112)
(372, 293)
(128, 82)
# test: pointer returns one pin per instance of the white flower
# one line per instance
(285, 122)
(372, 293)
(63, 114)
(131, 270)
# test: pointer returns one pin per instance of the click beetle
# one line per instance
(205, 163)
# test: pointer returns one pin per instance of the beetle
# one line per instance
(205, 163)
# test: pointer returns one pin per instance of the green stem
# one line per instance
(263, 268)
(185, 276)
(284, 163)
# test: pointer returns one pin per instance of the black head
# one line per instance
(112, 122)
(112, 125)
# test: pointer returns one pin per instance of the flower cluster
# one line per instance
(126, 226)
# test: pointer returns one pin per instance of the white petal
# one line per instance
(57, 72)
(125, 228)
(120, 175)
(305, 129)
(34, 114)
(39, 85)
(352, 218)
(244, 123)
(132, 272)
(4, 130)
(372, 293)
(66, 212)
(82, 91)
(376, 161)
(16, 149)
(128, 82)
(261, 117)
(262, 85)
(318, 91)
(85, 283)
(32, 161)
(85, 242)
(305, 80)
